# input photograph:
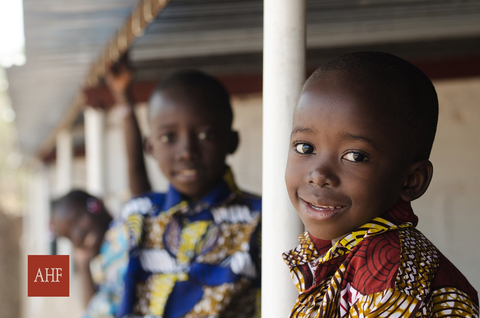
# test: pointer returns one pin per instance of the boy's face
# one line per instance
(189, 141)
(345, 163)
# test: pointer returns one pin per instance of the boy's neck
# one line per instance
(199, 197)
(337, 239)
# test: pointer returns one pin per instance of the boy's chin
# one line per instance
(192, 193)
(324, 235)
(193, 190)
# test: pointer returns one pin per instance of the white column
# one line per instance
(36, 235)
(94, 144)
(283, 77)
(64, 165)
(39, 213)
(64, 162)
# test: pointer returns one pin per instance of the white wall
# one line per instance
(246, 162)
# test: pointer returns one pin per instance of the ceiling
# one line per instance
(219, 36)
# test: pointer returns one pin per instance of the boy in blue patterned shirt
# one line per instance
(195, 250)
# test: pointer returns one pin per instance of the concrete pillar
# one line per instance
(64, 162)
(39, 213)
(283, 77)
(64, 166)
(94, 154)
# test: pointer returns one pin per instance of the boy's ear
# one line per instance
(233, 142)
(147, 145)
(418, 179)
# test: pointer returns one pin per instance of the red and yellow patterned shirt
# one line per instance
(385, 268)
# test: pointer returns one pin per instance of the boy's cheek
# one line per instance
(292, 178)
(294, 171)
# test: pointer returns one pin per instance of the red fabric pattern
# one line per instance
(374, 266)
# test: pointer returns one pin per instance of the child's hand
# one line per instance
(118, 79)
(82, 257)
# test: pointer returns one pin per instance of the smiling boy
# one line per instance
(194, 251)
(362, 133)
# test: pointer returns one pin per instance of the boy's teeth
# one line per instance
(188, 172)
(324, 207)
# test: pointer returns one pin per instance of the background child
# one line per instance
(99, 244)
(362, 134)
(194, 251)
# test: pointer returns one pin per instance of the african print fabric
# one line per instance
(193, 259)
(108, 270)
(385, 268)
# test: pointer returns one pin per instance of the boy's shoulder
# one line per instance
(143, 204)
(403, 259)
(252, 200)
(406, 261)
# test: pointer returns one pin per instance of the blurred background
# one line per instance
(58, 129)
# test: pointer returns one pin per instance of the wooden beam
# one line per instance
(140, 18)
(236, 85)
(78, 152)
(445, 68)
(252, 83)
(450, 68)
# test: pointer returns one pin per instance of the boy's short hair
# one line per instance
(203, 88)
(397, 84)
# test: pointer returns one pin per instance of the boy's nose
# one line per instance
(187, 149)
(323, 176)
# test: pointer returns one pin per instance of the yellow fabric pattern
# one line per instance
(319, 302)
(161, 287)
(418, 264)
(233, 238)
(191, 234)
(377, 226)
(230, 181)
(451, 302)
(389, 303)
(216, 299)
(155, 227)
(135, 226)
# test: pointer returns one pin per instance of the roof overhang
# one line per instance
(70, 43)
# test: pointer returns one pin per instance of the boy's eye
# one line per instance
(204, 135)
(355, 157)
(166, 138)
(304, 148)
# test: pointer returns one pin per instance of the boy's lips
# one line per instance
(189, 174)
(321, 212)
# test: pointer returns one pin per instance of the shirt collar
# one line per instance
(316, 250)
(220, 192)
(400, 215)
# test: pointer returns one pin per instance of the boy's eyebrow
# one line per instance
(304, 130)
(350, 136)
(166, 126)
